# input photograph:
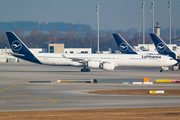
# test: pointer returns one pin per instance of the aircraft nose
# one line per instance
(174, 61)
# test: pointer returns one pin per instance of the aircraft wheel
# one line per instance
(161, 70)
(82, 70)
(87, 70)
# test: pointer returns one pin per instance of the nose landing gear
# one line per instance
(161, 70)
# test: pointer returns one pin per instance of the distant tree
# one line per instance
(93, 42)
(130, 32)
(53, 36)
(36, 38)
(121, 32)
(107, 41)
(70, 37)
(86, 40)
(3, 40)
(29, 25)
(19, 32)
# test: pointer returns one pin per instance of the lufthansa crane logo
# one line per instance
(123, 47)
(161, 47)
(16, 45)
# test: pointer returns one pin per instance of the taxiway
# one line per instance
(17, 94)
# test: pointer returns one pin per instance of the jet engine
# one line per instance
(92, 64)
(107, 66)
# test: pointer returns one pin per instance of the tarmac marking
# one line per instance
(8, 87)
(11, 96)
(54, 101)
(81, 91)
(17, 95)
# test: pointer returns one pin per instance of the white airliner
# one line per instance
(102, 61)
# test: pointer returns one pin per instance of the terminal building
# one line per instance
(151, 47)
(59, 48)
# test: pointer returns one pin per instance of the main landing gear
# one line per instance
(85, 69)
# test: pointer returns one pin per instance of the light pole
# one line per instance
(152, 10)
(142, 7)
(169, 9)
(97, 12)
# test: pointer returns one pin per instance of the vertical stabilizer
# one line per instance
(161, 46)
(123, 46)
(19, 48)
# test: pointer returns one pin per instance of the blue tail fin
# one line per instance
(161, 46)
(123, 46)
(16, 44)
(19, 48)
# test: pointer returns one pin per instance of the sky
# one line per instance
(113, 14)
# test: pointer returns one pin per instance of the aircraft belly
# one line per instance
(75, 64)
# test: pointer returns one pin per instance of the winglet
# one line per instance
(64, 56)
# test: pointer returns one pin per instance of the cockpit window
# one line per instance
(171, 59)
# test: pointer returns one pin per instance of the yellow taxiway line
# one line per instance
(8, 87)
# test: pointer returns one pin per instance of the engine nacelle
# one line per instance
(92, 64)
(107, 66)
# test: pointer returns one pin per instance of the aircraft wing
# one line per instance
(76, 59)
(15, 54)
(81, 60)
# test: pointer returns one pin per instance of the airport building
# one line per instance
(151, 47)
(59, 48)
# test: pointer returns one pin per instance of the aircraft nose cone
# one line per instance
(174, 61)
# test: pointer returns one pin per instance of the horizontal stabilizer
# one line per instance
(14, 54)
